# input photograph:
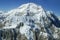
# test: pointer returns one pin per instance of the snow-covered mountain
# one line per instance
(2, 17)
(32, 23)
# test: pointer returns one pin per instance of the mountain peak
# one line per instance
(31, 8)
(32, 21)
(28, 4)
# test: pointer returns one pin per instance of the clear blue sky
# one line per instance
(52, 5)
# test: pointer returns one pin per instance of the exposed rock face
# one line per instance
(30, 22)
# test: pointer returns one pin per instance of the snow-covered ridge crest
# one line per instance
(30, 8)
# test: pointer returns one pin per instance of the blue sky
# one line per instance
(52, 5)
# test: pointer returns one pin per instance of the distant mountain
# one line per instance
(59, 18)
(31, 22)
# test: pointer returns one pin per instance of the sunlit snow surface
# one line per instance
(33, 17)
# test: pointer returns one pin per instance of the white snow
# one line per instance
(9, 27)
(55, 35)
(36, 13)
(24, 29)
